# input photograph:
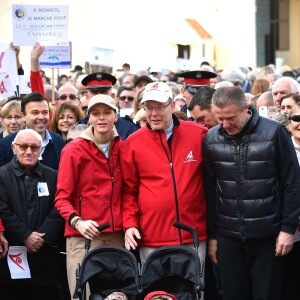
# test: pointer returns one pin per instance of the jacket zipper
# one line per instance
(174, 184)
(112, 188)
(80, 203)
(239, 192)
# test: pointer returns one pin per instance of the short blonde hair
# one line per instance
(8, 107)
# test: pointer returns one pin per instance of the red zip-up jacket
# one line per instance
(89, 184)
(162, 185)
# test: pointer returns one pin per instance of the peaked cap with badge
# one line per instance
(99, 81)
(195, 79)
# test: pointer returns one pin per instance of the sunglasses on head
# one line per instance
(295, 118)
(65, 96)
(123, 98)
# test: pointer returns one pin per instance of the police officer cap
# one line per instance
(197, 77)
(99, 81)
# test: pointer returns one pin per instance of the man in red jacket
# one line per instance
(161, 165)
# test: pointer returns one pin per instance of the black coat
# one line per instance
(23, 211)
(252, 180)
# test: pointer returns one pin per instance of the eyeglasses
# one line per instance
(123, 98)
(158, 108)
(16, 117)
(65, 96)
(295, 118)
(24, 147)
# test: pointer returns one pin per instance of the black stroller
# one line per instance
(176, 270)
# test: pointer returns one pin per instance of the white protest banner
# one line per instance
(8, 63)
(56, 57)
(17, 262)
(46, 24)
(101, 57)
(6, 87)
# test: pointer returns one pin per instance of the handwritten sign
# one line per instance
(8, 70)
(6, 87)
(46, 24)
(56, 57)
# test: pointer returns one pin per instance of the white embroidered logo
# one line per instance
(190, 157)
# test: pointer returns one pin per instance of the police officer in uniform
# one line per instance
(102, 83)
(193, 80)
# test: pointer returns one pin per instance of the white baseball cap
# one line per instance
(157, 91)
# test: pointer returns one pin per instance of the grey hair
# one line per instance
(27, 130)
(225, 96)
(294, 85)
(78, 127)
(233, 75)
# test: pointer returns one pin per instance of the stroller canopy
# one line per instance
(108, 269)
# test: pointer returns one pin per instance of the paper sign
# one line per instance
(56, 57)
(46, 24)
(17, 262)
(6, 87)
(8, 63)
(101, 57)
(24, 84)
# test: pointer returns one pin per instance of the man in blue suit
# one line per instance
(36, 115)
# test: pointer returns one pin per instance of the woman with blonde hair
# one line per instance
(11, 118)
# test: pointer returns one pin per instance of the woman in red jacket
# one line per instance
(89, 185)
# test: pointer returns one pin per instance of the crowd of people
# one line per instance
(218, 151)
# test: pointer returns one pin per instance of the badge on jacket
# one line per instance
(42, 189)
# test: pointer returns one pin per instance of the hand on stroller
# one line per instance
(88, 229)
(131, 234)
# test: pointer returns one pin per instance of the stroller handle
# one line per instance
(191, 230)
(100, 228)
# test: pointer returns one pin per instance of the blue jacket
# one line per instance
(51, 155)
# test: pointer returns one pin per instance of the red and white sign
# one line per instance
(18, 263)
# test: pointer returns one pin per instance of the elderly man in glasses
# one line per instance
(27, 191)
(161, 166)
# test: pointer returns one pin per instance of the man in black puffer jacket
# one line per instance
(252, 187)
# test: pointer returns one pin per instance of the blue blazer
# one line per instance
(51, 155)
